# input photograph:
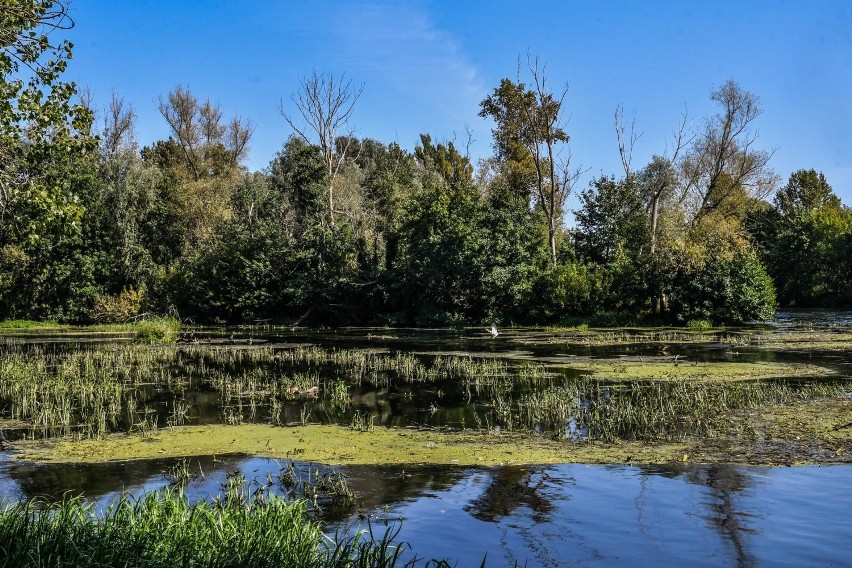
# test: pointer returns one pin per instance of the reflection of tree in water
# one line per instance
(374, 486)
(91, 481)
(377, 486)
(724, 482)
(512, 488)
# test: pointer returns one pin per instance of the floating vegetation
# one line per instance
(92, 391)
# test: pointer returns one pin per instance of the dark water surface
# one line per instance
(561, 515)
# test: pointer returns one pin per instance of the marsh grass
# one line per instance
(89, 392)
(28, 324)
(164, 529)
(654, 410)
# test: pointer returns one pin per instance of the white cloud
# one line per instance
(401, 53)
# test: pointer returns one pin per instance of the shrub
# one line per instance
(120, 307)
(157, 330)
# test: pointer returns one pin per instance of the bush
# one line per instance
(699, 325)
(118, 308)
(157, 330)
(731, 290)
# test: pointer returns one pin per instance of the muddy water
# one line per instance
(701, 515)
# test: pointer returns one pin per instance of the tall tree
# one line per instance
(325, 104)
(209, 146)
(805, 191)
(529, 135)
(723, 164)
(46, 157)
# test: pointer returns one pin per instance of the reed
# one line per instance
(87, 392)
(164, 529)
(651, 410)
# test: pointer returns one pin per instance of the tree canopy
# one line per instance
(342, 229)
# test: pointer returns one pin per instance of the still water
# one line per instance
(561, 515)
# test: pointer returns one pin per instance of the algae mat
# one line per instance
(335, 445)
(631, 369)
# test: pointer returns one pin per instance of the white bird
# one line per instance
(493, 331)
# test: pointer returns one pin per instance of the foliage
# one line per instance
(566, 290)
(157, 330)
(120, 307)
(353, 231)
(164, 529)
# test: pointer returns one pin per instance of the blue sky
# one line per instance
(426, 65)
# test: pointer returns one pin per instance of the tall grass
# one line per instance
(164, 529)
(28, 324)
(654, 410)
(88, 392)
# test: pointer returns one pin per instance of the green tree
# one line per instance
(611, 219)
(805, 191)
(528, 136)
(802, 240)
(45, 149)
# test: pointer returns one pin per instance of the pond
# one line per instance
(711, 402)
(559, 515)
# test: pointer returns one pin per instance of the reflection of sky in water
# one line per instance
(548, 515)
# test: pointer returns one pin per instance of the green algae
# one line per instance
(336, 445)
(804, 432)
(675, 369)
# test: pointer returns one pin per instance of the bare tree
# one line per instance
(660, 178)
(325, 104)
(626, 141)
(544, 132)
(118, 124)
(723, 161)
(200, 134)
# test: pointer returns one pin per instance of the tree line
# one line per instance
(346, 230)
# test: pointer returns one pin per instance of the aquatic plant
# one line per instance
(699, 325)
(157, 330)
(164, 529)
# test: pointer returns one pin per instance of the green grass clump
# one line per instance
(27, 324)
(699, 325)
(157, 330)
(165, 529)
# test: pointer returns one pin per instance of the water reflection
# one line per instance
(725, 483)
(697, 515)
